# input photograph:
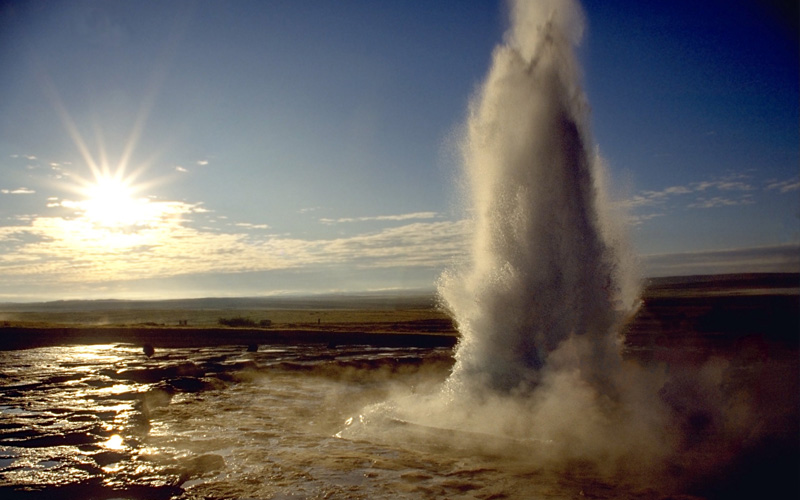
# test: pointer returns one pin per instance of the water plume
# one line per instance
(548, 284)
(539, 377)
(542, 299)
(546, 262)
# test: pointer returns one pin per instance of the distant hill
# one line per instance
(414, 299)
(384, 300)
(726, 281)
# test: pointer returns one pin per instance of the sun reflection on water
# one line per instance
(115, 442)
(90, 353)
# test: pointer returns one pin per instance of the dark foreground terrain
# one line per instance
(731, 350)
(220, 412)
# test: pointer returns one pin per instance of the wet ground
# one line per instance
(106, 421)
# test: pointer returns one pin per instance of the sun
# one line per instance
(112, 203)
(111, 216)
(112, 221)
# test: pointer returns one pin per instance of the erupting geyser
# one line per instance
(545, 267)
(541, 300)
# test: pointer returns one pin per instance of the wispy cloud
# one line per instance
(728, 184)
(430, 244)
(21, 190)
(636, 220)
(775, 258)
(248, 225)
(400, 217)
(719, 201)
(731, 183)
(650, 198)
(74, 250)
(784, 186)
(733, 190)
(202, 162)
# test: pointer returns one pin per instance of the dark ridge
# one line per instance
(413, 299)
(26, 338)
(736, 306)
(749, 280)
(93, 488)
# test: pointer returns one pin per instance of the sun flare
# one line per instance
(108, 216)
(113, 214)
(112, 203)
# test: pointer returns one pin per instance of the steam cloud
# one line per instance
(549, 285)
(539, 305)
(545, 263)
(550, 281)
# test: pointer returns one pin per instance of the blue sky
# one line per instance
(183, 149)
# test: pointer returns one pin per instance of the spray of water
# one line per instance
(545, 265)
(540, 302)
(549, 282)
(542, 299)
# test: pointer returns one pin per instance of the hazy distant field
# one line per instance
(738, 305)
(210, 317)
(281, 311)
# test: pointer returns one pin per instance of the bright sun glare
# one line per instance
(111, 213)
(111, 203)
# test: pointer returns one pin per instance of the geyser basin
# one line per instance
(221, 422)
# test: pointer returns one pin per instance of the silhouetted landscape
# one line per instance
(264, 155)
(741, 331)
(734, 305)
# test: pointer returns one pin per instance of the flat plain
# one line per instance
(727, 311)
